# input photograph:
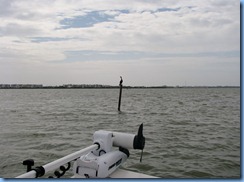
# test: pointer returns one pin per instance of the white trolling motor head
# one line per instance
(103, 161)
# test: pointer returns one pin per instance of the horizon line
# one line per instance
(107, 86)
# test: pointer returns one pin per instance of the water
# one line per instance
(190, 133)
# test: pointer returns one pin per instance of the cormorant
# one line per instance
(121, 81)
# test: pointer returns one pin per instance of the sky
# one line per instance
(148, 43)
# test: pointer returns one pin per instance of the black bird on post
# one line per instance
(120, 92)
(121, 81)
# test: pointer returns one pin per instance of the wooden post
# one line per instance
(120, 92)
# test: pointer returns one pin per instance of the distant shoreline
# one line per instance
(96, 86)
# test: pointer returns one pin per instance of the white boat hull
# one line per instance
(121, 173)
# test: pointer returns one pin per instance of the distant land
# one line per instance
(96, 86)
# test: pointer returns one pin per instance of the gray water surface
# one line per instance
(190, 133)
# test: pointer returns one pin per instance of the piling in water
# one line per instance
(120, 92)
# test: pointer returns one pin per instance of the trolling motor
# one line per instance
(95, 161)
(102, 162)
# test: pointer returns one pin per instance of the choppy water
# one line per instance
(190, 133)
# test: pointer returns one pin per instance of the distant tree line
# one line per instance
(96, 86)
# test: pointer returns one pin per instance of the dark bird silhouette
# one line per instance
(121, 81)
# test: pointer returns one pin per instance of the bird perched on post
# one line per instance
(121, 81)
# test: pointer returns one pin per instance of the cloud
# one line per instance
(71, 31)
(174, 25)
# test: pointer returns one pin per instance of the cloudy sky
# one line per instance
(159, 42)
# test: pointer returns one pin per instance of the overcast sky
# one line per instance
(159, 42)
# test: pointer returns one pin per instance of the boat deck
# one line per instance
(121, 173)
